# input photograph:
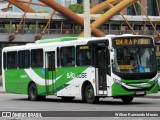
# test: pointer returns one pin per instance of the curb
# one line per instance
(157, 97)
(3, 92)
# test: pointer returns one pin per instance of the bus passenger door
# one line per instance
(50, 72)
(100, 58)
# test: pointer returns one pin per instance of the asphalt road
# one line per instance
(13, 102)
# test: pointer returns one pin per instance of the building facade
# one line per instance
(149, 5)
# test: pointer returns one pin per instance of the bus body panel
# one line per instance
(68, 81)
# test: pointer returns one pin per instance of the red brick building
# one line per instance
(149, 5)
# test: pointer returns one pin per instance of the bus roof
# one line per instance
(62, 39)
(65, 39)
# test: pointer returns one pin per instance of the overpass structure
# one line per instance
(30, 26)
(59, 26)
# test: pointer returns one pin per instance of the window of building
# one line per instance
(12, 59)
(157, 27)
(79, 1)
(152, 7)
(24, 59)
(37, 58)
(131, 9)
(158, 48)
(67, 56)
(4, 60)
(101, 1)
(83, 55)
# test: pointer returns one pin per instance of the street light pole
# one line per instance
(87, 29)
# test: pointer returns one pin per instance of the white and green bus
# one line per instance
(113, 66)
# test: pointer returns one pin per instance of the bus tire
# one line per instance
(32, 93)
(89, 95)
(127, 99)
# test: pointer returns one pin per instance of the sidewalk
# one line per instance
(157, 95)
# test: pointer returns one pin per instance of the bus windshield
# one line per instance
(134, 60)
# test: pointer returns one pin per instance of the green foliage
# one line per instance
(44, 11)
(78, 8)
(101, 12)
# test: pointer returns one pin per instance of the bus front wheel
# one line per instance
(89, 95)
(32, 93)
(127, 99)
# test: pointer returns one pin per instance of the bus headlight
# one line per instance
(117, 81)
(155, 79)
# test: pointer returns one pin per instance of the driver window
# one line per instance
(67, 56)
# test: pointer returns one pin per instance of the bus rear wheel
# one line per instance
(89, 95)
(127, 99)
(32, 93)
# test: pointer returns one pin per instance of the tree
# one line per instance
(78, 8)
(44, 11)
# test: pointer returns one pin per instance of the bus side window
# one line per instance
(12, 60)
(67, 56)
(37, 58)
(24, 59)
(4, 60)
(83, 55)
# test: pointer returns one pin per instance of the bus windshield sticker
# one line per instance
(43, 71)
(147, 69)
(141, 69)
(125, 67)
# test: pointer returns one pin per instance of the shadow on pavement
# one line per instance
(106, 102)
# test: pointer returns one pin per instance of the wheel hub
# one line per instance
(90, 93)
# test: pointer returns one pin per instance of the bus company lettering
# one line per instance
(79, 75)
(132, 41)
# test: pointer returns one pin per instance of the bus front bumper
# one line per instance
(118, 90)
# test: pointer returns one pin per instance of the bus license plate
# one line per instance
(140, 93)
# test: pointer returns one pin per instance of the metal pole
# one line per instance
(134, 6)
(109, 30)
(61, 27)
(87, 29)
(121, 29)
(36, 29)
(10, 26)
(144, 25)
(157, 3)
